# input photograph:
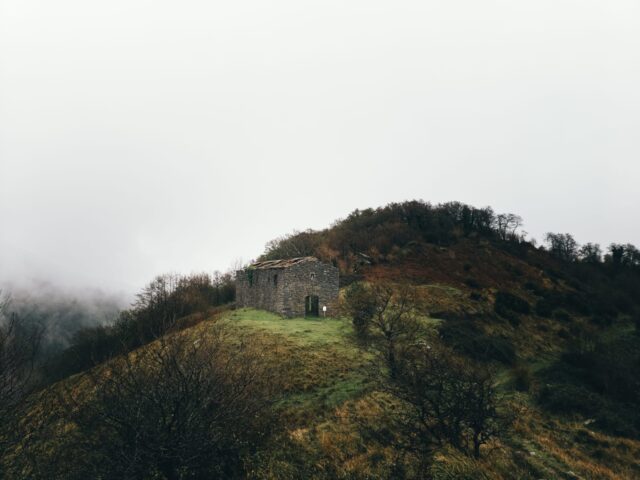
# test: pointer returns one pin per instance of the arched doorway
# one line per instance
(311, 306)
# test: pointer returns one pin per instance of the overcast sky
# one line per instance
(138, 137)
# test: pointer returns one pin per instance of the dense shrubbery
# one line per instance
(378, 231)
(521, 377)
(544, 308)
(469, 340)
(176, 410)
(510, 306)
(599, 379)
(156, 310)
(472, 283)
(569, 398)
(449, 400)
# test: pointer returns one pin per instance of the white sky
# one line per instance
(138, 137)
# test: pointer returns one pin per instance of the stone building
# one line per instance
(296, 287)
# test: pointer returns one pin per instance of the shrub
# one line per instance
(622, 302)
(576, 302)
(449, 401)
(469, 340)
(521, 377)
(544, 308)
(472, 283)
(534, 288)
(562, 316)
(568, 398)
(181, 409)
(514, 319)
(514, 270)
(601, 320)
(476, 297)
(508, 301)
(619, 423)
(360, 304)
(603, 305)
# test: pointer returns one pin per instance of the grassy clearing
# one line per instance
(325, 366)
(314, 332)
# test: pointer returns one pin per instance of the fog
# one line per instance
(60, 311)
(139, 137)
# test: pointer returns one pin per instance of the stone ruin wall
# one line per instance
(287, 296)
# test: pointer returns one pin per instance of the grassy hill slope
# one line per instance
(338, 421)
(562, 335)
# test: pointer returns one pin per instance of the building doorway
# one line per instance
(311, 306)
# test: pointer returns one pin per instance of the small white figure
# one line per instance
(324, 310)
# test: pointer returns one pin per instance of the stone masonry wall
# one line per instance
(311, 278)
(257, 289)
(283, 290)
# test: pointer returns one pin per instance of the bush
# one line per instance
(622, 302)
(514, 270)
(562, 316)
(576, 302)
(472, 283)
(468, 339)
(625, 423)
(602, 305)
(521, 377)
(178, 410)
(476, 297)
(535, 288)
(508, 301)
(601, 320)
(360, 304)
(568, 398)
(514, 319)
(544, 308)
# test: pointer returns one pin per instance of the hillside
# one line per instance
(558, 332)
(331, 401)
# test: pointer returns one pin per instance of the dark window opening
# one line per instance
(275, 280)
(313, 276)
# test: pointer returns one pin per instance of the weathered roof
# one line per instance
(285, 263)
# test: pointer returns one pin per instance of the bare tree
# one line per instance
(590, 253)
(359, 303)
(448, 401)
(181, 408)
(296, 244)
(507, 224)
(621, 255)
(19, 345)
(562, 245)
(394, 320)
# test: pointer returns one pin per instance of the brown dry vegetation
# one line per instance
(338, 422)
(339, 425)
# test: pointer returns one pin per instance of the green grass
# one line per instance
(330, 368)
(314, 332)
